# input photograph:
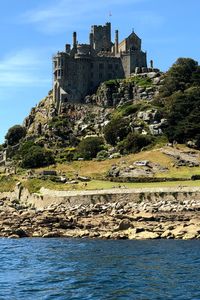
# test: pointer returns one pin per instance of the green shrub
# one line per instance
(134, 142)
(89, 147)
(143, 81)
(127, 108)
(183, 74)
(67, 154)
(111, 83)
(195, 177)
(37, 157)
(116, 130)
(25, 148)
(15, 134)
(60, 126)
(184, 116)
(102, 155)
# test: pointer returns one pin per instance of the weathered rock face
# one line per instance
(135, 170)
(36, 121)
(116, 92)
(183, 158)
(90, 118)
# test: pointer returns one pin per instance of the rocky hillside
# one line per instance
(123, 116)
(130, 98)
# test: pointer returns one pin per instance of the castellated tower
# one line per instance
(80, 69)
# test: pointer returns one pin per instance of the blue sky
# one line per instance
(33, 30)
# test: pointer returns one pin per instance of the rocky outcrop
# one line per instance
(138, 169)
(183, 158)
(36, 122)
(110, 214)
(111, 93)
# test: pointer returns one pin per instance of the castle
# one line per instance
(79, 70)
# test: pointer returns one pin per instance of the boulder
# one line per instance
(51, 234)
(124, 224)
(145, 235)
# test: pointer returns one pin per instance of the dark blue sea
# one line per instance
(99, 269)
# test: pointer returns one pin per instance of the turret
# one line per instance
(116, 42)
(91, 40)
(67, 48)
(74, 40)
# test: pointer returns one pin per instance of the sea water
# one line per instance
(99, 269)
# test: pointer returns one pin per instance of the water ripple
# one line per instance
(99, 270)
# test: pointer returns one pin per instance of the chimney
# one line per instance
(67, 48)
(91, 40)
(74, 40)
(116, 42)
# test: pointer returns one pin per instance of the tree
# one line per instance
(184, 116)
(90, 146)
(15, 134)
(134, 142)
(37, 157)
(180, 76)
(116, 130)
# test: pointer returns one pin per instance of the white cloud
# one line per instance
(24, 68)
(62, 14)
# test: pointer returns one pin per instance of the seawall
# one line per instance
(116, 214)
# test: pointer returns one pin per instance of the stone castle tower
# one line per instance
(80, 69)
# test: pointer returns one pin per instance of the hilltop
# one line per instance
(124, 164)
(148, 113)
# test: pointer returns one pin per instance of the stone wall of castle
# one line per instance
(80, 70)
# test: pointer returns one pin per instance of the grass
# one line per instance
(98, 169)
(7, 183)
(181, 172)
(34, 185)
(99, 184)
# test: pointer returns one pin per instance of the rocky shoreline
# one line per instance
(114, 214)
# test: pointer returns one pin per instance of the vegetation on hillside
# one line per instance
(180, 99)
(178, 102)
(15, 134)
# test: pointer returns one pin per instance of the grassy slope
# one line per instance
(97, 171)
(34, 185)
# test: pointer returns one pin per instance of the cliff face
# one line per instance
(91, 117)
(40, 115)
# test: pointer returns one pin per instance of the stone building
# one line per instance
(80, 69)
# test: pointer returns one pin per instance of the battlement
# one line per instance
(80, 69)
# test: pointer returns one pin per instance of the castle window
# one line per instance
(109, 75)
(101, 66)
(116, 67)
(100, 76)
(92, 65)
(92, 74)
(110, 66)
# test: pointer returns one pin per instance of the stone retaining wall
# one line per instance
(161, 199)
